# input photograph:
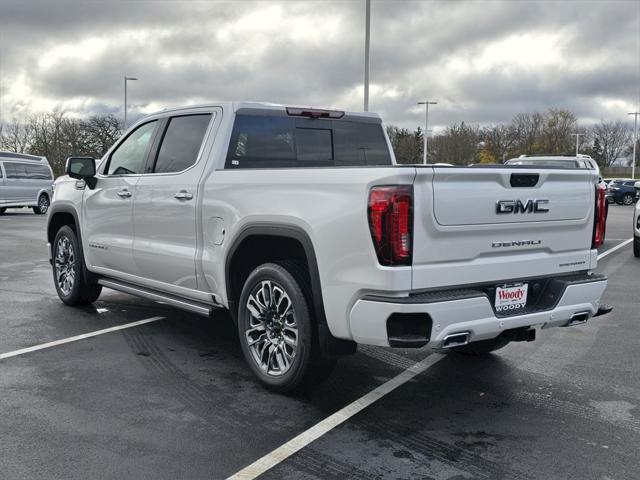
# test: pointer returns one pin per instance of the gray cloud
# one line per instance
(483, 61)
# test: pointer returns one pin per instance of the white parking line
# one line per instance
(617, 247)
(319, 429)
(55, 343)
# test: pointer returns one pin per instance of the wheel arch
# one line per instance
(330, 346)
(44, 191)
(274, 232)
(59, 216)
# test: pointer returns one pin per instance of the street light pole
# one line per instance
(635, 143)
(366, 53)
(126, 79)
(577, 135)
(426, 104)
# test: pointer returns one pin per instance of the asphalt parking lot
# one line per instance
(173, 399)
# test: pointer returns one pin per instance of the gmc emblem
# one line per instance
(516, 206)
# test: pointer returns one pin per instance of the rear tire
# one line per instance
(277, 330)
(483, 347)
(636, 246)
(43, 205)
(2, 210)
(71, 278)
(627, 199)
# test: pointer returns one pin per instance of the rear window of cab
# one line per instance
(269, 141)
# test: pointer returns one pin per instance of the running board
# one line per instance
(160, 297)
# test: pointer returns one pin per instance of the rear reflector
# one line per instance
(314, 113)
(390, 215)
(600, 220)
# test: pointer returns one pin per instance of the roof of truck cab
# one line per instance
(247, 105)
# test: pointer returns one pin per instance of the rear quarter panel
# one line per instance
(329, 204)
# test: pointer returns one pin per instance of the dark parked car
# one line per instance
(622, 191)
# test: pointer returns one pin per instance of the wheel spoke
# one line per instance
(281, 360)
(260, 338)
(271, 329)
(254, 307)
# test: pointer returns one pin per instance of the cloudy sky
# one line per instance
(483, 61)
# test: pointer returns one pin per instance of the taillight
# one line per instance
(600, 220)
(391, 223)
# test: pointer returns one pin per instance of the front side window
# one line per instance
(130, 156)
(181, 143)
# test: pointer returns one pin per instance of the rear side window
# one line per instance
(37, 172)
(630, 184)
(278, 141)
(261, 142)
(15, 170)
(181, 143)
(0, 170)
(130, 156)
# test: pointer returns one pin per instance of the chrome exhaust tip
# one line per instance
(578, 318)
(456, 340)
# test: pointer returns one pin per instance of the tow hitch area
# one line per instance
(523, 334)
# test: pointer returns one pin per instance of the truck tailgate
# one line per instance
(482, 224)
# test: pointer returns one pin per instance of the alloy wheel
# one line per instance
(65, 265)
(43, 204)
(272, 330)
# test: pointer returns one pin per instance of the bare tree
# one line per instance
(103, 131)
(407, 146)
(612, 138)
(16, 137)
(556, 131)
(458, 145)
(500, 141)
(527, 130)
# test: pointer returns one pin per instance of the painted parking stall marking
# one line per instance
(76, 338)
(613, 249)
(283, 452)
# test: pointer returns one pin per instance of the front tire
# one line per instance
(43, 205)
(70, 276)
(276, 328)
(483, 347)
(2, 210)
(636, 246)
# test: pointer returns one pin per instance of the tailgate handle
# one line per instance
(524, 179)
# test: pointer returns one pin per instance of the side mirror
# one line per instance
(82, 168)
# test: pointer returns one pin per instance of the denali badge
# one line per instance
(516, 243)
(516, 206)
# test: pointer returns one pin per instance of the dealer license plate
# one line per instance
(511, 298)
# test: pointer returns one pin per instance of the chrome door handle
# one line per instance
(183, 195)
(124, 193)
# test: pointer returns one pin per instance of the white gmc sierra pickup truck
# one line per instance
(299, 222)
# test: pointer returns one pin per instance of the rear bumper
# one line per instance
(469, 310)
